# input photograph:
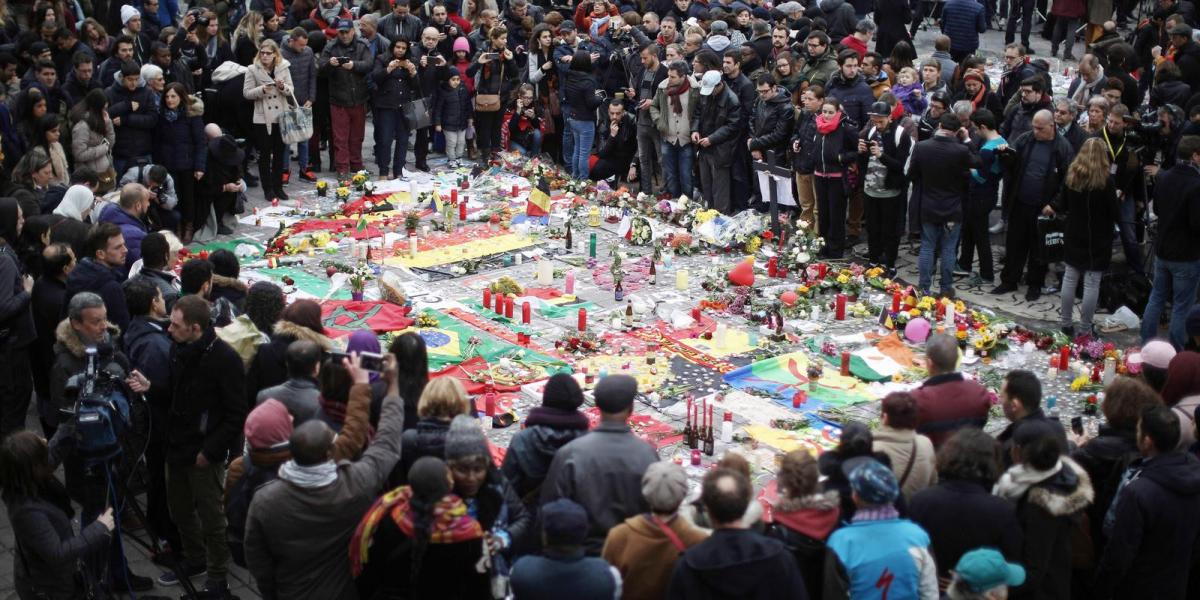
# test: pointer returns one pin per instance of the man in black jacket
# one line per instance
(80, 80)
(716, 127)
(206, 415)
(771, 125)
(134, 116)
(102, 272)
(883, 150)
(646, 75)
(1177, 264)
(939, 173)
(346, 62)
(1036, 165)
(743, 88)
(616, 143)
(1150, 549)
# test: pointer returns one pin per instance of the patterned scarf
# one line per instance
(451, 524)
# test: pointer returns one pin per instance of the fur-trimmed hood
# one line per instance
(814, 515)
(229, 282)
(195, 106)
(301, 332)
(1062, 491)
(66, 337)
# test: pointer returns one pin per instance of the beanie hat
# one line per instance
(128, 12)
(465, 439)
(615, 393)
(973, 74)
(564, 522)
(664, 486)
(462, 44)
(269, 424)
(452, 72)
(874, 483)
(1158, 354)
(562, 391)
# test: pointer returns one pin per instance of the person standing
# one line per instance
(563, 566)
(580, 101)
(962, 22)
(981, 199)
(939, 172)
(671, 110)
(1089, 201)
(268, 83)
(804, 148)
(497, 70)
(1177, 256)
(947, 401)
(647, 76)
(302, 64)
(346, 61)
(18, 331)
(395, 80)
(716, 121)
(181, 147)
(883, 150)
(836, 151)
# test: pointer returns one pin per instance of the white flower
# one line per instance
(803, 257)
(803, 224)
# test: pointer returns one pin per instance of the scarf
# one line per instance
(311, 477)
(450, 523)
(897, 111)
(978, 99)
(826, 125)
(331, 13)
(556, 418)
(1017, 480)
(171, 115)
(673, 94)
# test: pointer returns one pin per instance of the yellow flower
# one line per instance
(802, 290)
(914, 312)
(1079, 382)
(843, 278)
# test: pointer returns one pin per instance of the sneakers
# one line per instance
(959, 271)
(308, 175)
(170, 578)
(977, 280)
(286, 177)
(1050, 289)
(1004, 288)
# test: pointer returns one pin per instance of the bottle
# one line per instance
(653, 274)
(570, 239)
(687, 428)
(693, 440)
(629, 313)
(709, 441)
(618, 292)
(727, 428)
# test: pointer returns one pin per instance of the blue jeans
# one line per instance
(1179, 280)
(677, 168)
(577, 146)
(535, 148)
(935, 237)
(301, 158)
(391, 127)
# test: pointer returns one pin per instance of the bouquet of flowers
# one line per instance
(359, 276)
(412, 219)
(800, 247)
(641, 232)
(358, 180)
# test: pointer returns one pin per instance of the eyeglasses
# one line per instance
(814, 44)
(764, 92)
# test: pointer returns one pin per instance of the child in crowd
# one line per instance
(452, 115)
(909, 92)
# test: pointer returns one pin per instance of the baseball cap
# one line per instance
(984, 568)
(566, 26)
(718, 27)
(879, 109)
(1158, 353)
(344, 24)
(709, 82)
(874, 483)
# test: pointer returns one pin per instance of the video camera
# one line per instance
(101, 413)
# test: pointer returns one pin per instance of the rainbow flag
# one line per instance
(782, 376)
(539, 199)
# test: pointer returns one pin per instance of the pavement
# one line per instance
(242, 585)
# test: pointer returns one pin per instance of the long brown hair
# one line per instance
(25, 467)
(1089, 170)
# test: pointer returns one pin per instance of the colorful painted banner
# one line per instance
(449, 343)
(782, 376)
(314, 286)
(475, 241)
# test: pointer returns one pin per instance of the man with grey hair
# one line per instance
(1065, 112)
(946, 401)
(645, 547)
(1090, 81)
(860, 40)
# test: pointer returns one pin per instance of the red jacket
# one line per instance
(947, 403)
(854, 44)
(327, 27)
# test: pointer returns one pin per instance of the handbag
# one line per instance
(490, 102)
(1051, 239)
(296, 125)
(417, 114)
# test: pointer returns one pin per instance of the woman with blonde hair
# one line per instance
(1097, 112)
(269, 84)
(1089, 201)
(246, 38)
(443, 399)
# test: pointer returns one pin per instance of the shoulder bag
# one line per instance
(490, 102)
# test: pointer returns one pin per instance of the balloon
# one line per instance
(917, 330)
(743, 273)
(788, 298)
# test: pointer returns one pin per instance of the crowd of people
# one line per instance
(258, 442)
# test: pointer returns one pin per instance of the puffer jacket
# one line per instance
(347, 87)
(427, 439)
(718, 118)
(91, 149)
(855, 95)
(47, 549)
(136, 131)
(269, 100)
(303, 67)
(452, 108)
(771, 127)
(180, 145)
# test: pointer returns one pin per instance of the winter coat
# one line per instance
(1187, 59)
(392, 89)
(1151, 548)
(15, 313)
(230, 289)
(181, 145)
(644, 555)
(496, 77)
(807, 137)
(718, 118)
(1016, 162)
(91, 149)
(1048, 511)
(167, 283)
(1105, 458)
(619, 148)
(529, 456)
(1177, 206)
(452, 108)
(207, 411)
(1170, 92)
(1090, 216)
(45, 302)
(297, 538)
(69, 360)
(132, 228)
(735, 563)
(906, 447)
(45, 561)
(603, 472)
(428, 438)
(300, 395)
(74, 90)
(861, 550)
(819, 70)
(940, 174)
(839, 16)
(771, 127)
(855, 96)
(1020, 120)
(896, 147)
(947, 403)
(269, 100)
(803, 525)
(579, 96)
(135, 134)
(268, 367)
(347, 87)
(662, 113)
(960, 516)
(148, 348)
(498, 508)
(302, 66)
(545, 577)
(327, 25)
(409, 28)
(99, 278)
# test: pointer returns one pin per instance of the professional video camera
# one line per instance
(101, 413)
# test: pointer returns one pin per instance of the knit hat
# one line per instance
(562, 391)
(615, 393)
(465, 439)
(790, 7)
(462, 44)
(975, 74)
(874, 483)
(984, 568)
(564, 522)
(269, 424)
(128, 12)
(1158, 354)
(664, 486)
(452, 72)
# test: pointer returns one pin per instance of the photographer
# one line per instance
(432, 69)
(395, 78)
(1124, 148)
(497, 70)
(523, 122)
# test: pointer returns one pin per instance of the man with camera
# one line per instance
(431, 66)
(346, 61)
(1123, 146)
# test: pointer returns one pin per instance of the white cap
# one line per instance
(709, 82)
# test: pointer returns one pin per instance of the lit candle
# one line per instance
(583, 319)
(454, 195)
(526, 310)
(508, 307)
(841, 307)
(514, 191)
(772, 267)
(696, 314)
(681, 279)
(1064, 357)
(895, 301)
(545, 274)
(487, 297)
(1110, 369)
(845, 363)
(719, 336)
(569, 287)
(412, 246)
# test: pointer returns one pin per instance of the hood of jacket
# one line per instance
(729, 563)
(195, 106)
(141, 327)
(814, 515)
(90, 274)
(1065, 493)
(300, 332)
(235, 284)
(68, 340)
(1177, 472)
(544, 442)
(226, 71)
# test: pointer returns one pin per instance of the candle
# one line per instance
(845, 363)
(487, 297)
(1064, 357)
(797, 399)
(821, 269)
(696, 314)
(508, 307)
(583, 319)
(569, 287)
(498, 304)
(719, 336)
(681, 279)
(545, 272)
(514, 191)
(1110, 369)
(526, 311)
(949, 315)
(696, 458)
(841, 307)
(772, 267)
(454, 195)
(895, 301)
(592, 246)
(462, 209)
(412, 246)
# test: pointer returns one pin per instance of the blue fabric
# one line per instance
(1179, 280)
(535, 148)
(877, 559)
(963, 21)
(677, 168)
(391, 127)
(944, 237)
(538, 577)
(132, 229)
(577, 146)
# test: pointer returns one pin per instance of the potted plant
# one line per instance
(412, 219)
(359, 277)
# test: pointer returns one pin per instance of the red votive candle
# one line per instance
(841, 307)
(526, 310)
(1064, 357)
(508, 307)
(487, 298)
(498, 304)
(895, 301)
(583, 319)
(845, 363)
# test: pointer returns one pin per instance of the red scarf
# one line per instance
(673, 94)
(897, 111)
(826, 125)
(451, 523)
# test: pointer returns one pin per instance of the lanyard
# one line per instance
(1109, 144)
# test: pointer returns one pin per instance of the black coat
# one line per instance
(268, 368)
(47, 301)
(718, 118)
(181, 145)
(207, 409)
(452, 108)
(1170, 92)
(1016, 161)
(1177, 205)
(347, 87)
(392, 90)
(103, 280)
(960, 516)
(1091, 216)
(736, 563)
(497, 76)
(579, 96)
(529, 455)
(894, 156)
(15, 314)
(806, 136)
(428, 438)
(1105, 459)
(1187, 59)
(1048, 512)
(47, 549)
(1152, 547)
(618, 148)
(135, 134)
(771, 126)
(855, 95)
(940, 173)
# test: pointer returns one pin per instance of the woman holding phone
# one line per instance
(269, 84)
(396, 79)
